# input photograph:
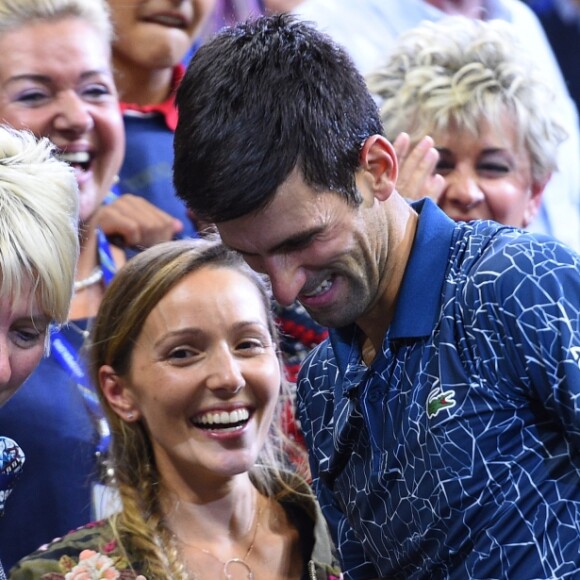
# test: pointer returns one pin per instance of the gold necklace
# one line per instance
(232, 561)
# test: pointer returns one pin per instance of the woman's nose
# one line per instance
(224, 372)
(463, 190)
(74, 114)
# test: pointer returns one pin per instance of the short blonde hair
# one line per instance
(460, 71)
(15, 14)
(38, 222)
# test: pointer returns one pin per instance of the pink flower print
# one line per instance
(110, 547)
(93, 566)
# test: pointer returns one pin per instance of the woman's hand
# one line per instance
(417, 177)
(136, 222)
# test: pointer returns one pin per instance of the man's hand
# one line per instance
(136, 222)
(417, 177)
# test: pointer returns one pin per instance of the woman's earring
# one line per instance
(130, 416)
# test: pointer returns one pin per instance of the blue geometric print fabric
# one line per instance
(456, 454)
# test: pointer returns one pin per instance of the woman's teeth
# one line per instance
(74, 157)
(223, 418)
(79, 159)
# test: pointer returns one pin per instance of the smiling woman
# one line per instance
(475, 91)
(185, 351)
(56, 81)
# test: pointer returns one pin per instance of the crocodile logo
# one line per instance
(439, 400)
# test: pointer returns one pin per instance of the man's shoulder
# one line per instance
(481, 243)
(496, 265)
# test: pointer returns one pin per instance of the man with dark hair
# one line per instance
(442, 416)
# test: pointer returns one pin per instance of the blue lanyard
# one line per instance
(105, 257)
(69, 358)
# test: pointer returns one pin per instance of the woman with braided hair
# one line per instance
(184, 349)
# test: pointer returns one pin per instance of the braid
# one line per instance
(140, 529)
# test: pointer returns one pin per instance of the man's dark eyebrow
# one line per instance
(296, 241)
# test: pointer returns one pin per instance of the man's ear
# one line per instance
(379, 160)
(118, 395)
(533, 205)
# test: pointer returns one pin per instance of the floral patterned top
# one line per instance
(93, 553)
(89, 553)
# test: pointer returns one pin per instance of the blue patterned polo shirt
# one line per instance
(456, 454)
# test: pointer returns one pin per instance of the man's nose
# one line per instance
(286, 277)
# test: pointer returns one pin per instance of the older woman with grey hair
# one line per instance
(473, 122)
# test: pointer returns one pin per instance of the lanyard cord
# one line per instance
(68, 355)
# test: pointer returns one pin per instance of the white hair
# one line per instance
(38, 222)
(459, 71)
(17, 13)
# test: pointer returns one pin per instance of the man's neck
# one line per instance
(402, 226)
